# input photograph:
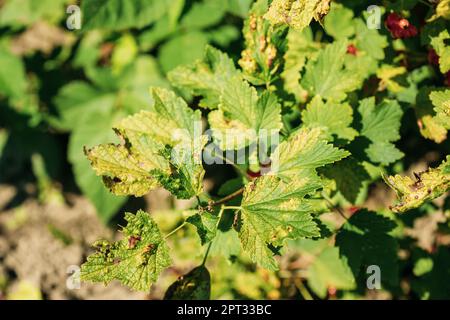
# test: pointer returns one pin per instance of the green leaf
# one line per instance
(206, 224)
(182, 49)
(26, 12)
(369, 40)
(441, 102)
(206, 77)
(349, 176)
(339, 22)
(239, 7)
(77, 98)
(333, 118)
(328, 270)
(430, 285)
(204, 14)
(136, 261)
(327, 76)
(303, 152)
(273, 211)
(300, 47)
(93, 132)
(13, 82)
(298, 14)
(427, 185)
(120, 14)
(364, 240)
(196, 285)
(442, 50)
(381, 125)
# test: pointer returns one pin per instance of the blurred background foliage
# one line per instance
(61, 90)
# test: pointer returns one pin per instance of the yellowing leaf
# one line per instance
(439, 44)
(162, 146)
(386, 74)
(136, 261)
(431, 129)
(427, 185)
(442, 10)
(298, 14)
(124, 173)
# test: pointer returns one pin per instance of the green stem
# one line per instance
(426, 3)
(337, 209)
(231, 163)
(206, 254)
(175, 230)
(210, 244)
(303, 290)
(232, 208)
(229, 197)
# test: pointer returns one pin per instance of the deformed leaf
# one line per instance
(162, 147)
(124, 173)
(264, 47)
(298, 14)
(427, 185)
(136, 261)
(196, 285)
(206, 224)
(272, 211)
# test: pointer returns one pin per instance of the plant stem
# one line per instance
(206, 254)
(426, 3)
(210, 244)
(302, 289)
(232, 207)
(337, 209)
(231, 163)
(175, 230)
(229, 197)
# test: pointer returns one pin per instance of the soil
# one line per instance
(41, 246)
